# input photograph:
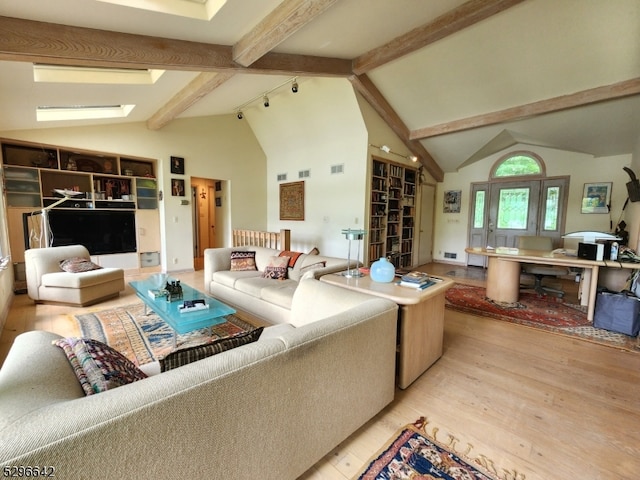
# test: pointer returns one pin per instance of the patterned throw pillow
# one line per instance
(277, 268)
(98, 366)
(78, 264)
(192, 354)
(243, 261)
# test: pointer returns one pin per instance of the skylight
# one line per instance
(198, 9)
(69, 74)
(82, 112)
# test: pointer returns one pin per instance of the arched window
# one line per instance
(518, 164)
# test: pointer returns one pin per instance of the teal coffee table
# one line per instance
(170, 312)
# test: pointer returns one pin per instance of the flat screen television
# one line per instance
(102, 232)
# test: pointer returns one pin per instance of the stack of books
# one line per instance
(417, 280)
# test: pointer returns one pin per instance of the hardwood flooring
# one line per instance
(536, 404)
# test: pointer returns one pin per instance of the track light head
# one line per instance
(294, 86)
(413, 158)
(240, 115)
(265, 101)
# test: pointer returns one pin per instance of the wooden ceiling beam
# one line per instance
(371, 94)
(586, 97)
(447, 24)
(49, 43)
(198, 88)
(282, 22)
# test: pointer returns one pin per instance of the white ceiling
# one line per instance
(534, 51)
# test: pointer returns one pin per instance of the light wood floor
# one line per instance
(543, 405)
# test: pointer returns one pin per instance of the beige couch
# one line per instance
(263, 297)
(47, 282)
(266, 410)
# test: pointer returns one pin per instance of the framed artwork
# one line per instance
(177, 187)
(218, 201)
(177, 165)
(596, 197)
(452, 201)
(292, 201)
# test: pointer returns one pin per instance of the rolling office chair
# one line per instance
(541, 271)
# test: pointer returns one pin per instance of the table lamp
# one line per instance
(353, 235)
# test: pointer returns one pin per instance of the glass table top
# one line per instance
(170, 313)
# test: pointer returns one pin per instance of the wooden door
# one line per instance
(425, 245)
(204, 218)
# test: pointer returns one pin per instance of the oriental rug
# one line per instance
(538, 312)
(415, 454)
(147, 338)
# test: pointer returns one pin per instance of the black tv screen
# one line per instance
(100, 231)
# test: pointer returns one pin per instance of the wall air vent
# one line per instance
(335, 169)
(304, 173)
(282, 177)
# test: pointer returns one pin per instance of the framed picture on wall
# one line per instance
(177, 165)
(596, 197)
(452, 200)
(177, 187)
(292, 201)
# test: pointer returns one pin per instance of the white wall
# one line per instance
(213, 147)
(316, 128)
(451, 233)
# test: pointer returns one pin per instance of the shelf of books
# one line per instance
(392, 213)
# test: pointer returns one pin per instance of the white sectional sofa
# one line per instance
(269, 410)
(265, 298)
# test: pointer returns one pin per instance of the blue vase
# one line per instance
(382, 271)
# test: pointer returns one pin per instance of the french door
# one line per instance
(503, 211)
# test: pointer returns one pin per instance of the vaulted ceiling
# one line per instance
(447, 75)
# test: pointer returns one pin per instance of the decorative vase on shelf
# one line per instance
(382, 271)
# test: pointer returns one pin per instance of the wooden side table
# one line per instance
(420, 320)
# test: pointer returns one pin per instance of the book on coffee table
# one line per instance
(193, 306)
(414, 277)
(416, 285)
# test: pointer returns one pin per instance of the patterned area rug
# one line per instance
(537, 312)
(415, 454)
(147, 338)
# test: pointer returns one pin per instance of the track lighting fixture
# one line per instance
(293, 81)
(387, 149)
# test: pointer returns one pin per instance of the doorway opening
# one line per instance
(206, 199)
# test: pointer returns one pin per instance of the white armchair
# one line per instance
(48, 283)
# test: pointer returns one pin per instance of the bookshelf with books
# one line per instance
(392, 212)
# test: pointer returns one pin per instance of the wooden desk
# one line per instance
(420, 320)
(503, 272)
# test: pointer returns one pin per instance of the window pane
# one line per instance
(518, 165)
(513, 208)
(478, 211)
(551, 209)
